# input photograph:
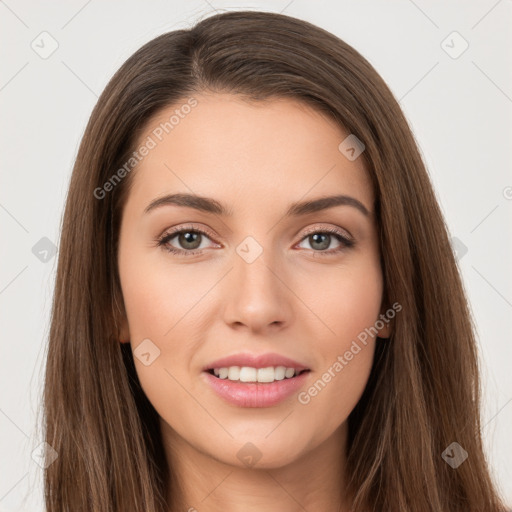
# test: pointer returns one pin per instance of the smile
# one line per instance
(250, 374)
(255, 393)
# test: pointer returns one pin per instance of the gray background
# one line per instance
(458, 104)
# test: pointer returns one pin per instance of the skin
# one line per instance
(256, 158)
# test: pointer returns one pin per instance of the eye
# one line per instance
(320, 239)
(190, 239)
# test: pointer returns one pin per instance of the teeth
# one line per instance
(234, 372)
(249, 374)
(279, 373)
(246, 374)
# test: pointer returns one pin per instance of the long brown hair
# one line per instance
(423, 392)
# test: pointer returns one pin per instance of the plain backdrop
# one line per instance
(449, 65)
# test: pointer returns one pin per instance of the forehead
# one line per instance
(246, 152)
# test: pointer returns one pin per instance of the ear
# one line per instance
(383, 324)
(124, 330)
(121, 322)
(385, 332)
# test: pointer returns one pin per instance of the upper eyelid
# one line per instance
(315, 229)
(174, 231)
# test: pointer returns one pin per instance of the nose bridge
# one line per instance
(258, 296)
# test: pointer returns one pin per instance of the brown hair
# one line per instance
(423, 392)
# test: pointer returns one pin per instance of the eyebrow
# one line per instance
(209, 205)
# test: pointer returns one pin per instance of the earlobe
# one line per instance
(385, 332)
(384, 326)
(123, 331)
(121, 326)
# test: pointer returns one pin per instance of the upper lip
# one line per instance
(255, 361)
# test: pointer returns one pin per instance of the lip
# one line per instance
(255, 394)
(256, 361)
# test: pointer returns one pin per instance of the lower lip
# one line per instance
(255, 394)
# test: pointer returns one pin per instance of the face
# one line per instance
(250, 278)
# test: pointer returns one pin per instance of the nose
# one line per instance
(258, 296)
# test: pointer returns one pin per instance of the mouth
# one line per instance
(255, 380)
(246, 386)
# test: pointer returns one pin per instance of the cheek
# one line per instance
(346, 301)
(166, 305)
(159, 296)
(162, 306)
(357, 305)
(350, 307)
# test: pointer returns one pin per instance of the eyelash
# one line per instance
(346, 243)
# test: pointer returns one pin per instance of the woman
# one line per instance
(205, 352)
